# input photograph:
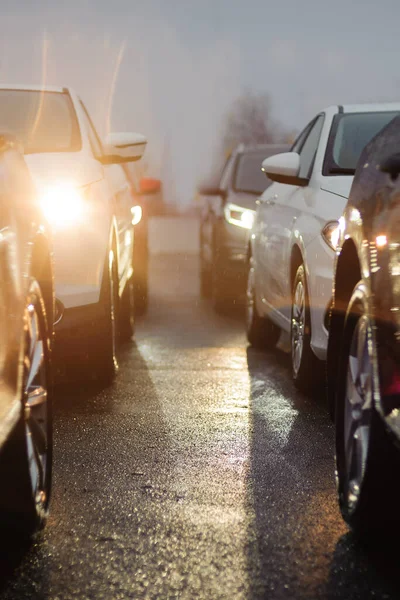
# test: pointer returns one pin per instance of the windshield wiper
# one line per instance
(341, 171)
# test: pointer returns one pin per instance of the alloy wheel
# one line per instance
(36, 406)
(298, 325)
(357, 410)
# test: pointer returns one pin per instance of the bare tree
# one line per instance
(250, 121)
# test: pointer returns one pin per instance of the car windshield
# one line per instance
(248, 176)
(351, 132)
(41, 121)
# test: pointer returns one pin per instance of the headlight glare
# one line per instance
(239, 216)
(62, 204)
(136, 214)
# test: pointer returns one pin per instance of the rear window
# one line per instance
(42, 121)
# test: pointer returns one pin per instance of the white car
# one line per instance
(87, 200)
(296, 230)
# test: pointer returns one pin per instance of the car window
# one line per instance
(94, 139)
(248, 176)
(227, 173)
(301, 137)
(309, 148)
(42, 121)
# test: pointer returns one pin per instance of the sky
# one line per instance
(171, 68)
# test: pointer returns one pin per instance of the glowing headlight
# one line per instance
(237, 215)
(62, 204)
(136, 214)
(331, 234)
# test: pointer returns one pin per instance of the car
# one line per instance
(27, 305)
(363, 351)
(295, 231)
(87, 201)
(227, 214)
(145, 192)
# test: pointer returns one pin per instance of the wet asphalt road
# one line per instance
(201, 473)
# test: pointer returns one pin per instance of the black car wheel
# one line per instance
(307, 370)
(261, 332)
(127, 312)
(366, 461)
(104, 353)
(141, 296)
(26, 458)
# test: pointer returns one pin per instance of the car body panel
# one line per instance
(22, 232)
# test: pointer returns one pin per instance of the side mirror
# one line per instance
(284, 168)
(123, 147)
(391, 165)
(149, 186)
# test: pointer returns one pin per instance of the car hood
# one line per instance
(76, 168)
(339, 185)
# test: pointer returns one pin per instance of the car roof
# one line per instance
(373, 107)
(32, 88)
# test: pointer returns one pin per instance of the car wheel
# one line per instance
(206, 281)
(141, 296)
(26, 458)
(307, 370)
(366, 461)
(126, 319)
(105, 350)
(261, 332)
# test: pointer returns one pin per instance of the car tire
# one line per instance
(104, 352)
(261, 332)
(206, 281)
(366, 460)
(307, 371)
(141, 297)
(26, 457)
(221, 292)
(126, 319)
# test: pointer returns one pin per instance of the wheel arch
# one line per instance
(42, 270)
(296, 259)
(347, 275)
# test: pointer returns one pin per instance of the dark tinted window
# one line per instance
(350, 134)
(42, 121)
(248, 175)
(309, 148)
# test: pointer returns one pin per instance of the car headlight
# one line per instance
(331, 234)
(136, 214)
(63, 204)
(237, 215)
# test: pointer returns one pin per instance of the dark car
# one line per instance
(364, 340)
(26, 318)
(147, 202)
(227, 216)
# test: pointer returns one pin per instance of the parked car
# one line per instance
(145, 192)
(26, 342)
(296, 230)
(364, 351)
(226, 219)
(87, 202)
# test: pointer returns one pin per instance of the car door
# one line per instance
(279, 210)
(121, 201)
